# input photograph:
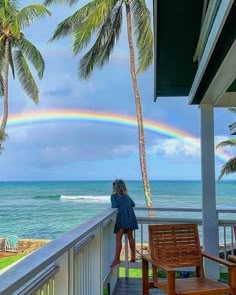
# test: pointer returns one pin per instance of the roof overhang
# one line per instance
(182, 31)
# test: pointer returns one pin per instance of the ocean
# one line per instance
(46, 210)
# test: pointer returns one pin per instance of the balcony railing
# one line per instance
(78, 262)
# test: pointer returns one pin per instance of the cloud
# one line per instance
(173, 147)
(125, 150)
(63, 91)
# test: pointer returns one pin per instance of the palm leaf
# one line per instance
(100, 52)
(30, 13)
(230, 142)
(69, 2)
(3, 136)
(1, 85)
(25, 77)
(32, 54)
(66, 26)
(228, 168)
(232, 110)
(141, 18)
(73, 22)
(98, 12)
(1, 68)
(11, 62)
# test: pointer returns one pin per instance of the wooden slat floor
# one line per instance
(131, 286)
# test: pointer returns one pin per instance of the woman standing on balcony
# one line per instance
(126, 221)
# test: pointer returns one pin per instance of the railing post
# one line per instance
(114, 274)
(96, 263)
(62, 280)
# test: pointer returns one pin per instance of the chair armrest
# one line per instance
(232, 258)
(157, 264)
(219, 260)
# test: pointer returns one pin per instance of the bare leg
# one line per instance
(119, 236)
(131, 244)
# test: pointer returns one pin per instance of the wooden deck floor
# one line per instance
(130, 286)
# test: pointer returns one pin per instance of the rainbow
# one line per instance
(105, 117)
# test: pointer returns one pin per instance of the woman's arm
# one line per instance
(114, 203)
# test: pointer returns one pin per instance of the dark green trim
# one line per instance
(232, 87)
(225, 41)
(176, 35)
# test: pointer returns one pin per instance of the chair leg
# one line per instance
(145, 280)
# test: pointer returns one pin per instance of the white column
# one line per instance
(209, 215)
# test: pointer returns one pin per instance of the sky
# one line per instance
(66, 149)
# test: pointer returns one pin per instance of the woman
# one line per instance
(126, 221)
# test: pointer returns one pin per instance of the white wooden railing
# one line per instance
(78, 263)
(227, 242)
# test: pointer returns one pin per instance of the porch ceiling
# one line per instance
(176, 28)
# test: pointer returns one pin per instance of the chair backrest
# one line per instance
(175, 245)
(11, 242)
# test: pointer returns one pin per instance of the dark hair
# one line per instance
(119, 187)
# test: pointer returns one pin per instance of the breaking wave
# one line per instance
(86, 199)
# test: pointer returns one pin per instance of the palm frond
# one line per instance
(1, 85)
(232, 110)
(92, 21)
(73, 22)
(228, 168)
(69, 2)
(100, 52)
(1, 68)
(25, 77)
(11, 62)
(3, 136)
(230, 142)
(65, 27)
(141, 18)
(30, 13)
(32, 54)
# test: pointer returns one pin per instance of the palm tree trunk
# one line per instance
(5, 89)
(142, 150)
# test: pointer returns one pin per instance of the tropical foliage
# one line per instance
(230, 166)
(98, 25)
(16, 51)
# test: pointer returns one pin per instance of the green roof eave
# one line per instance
(232, 87)
(176, 29)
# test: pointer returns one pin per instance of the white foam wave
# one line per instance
(86, 199)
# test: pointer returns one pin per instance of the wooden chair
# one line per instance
(177, 245)
(232, 257)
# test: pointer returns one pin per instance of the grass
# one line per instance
(137, 273)
(6, 261)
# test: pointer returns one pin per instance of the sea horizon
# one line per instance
(47, 209)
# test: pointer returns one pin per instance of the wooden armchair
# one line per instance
(177, 245)
(232, 257)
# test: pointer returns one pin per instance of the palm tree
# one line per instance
(16, 51)
(103, 19)
(230, 166)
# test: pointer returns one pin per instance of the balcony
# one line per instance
(79, 261)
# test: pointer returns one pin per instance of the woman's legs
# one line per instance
(131, 244)
(119, 236)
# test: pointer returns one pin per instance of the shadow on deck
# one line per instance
(131, 286)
